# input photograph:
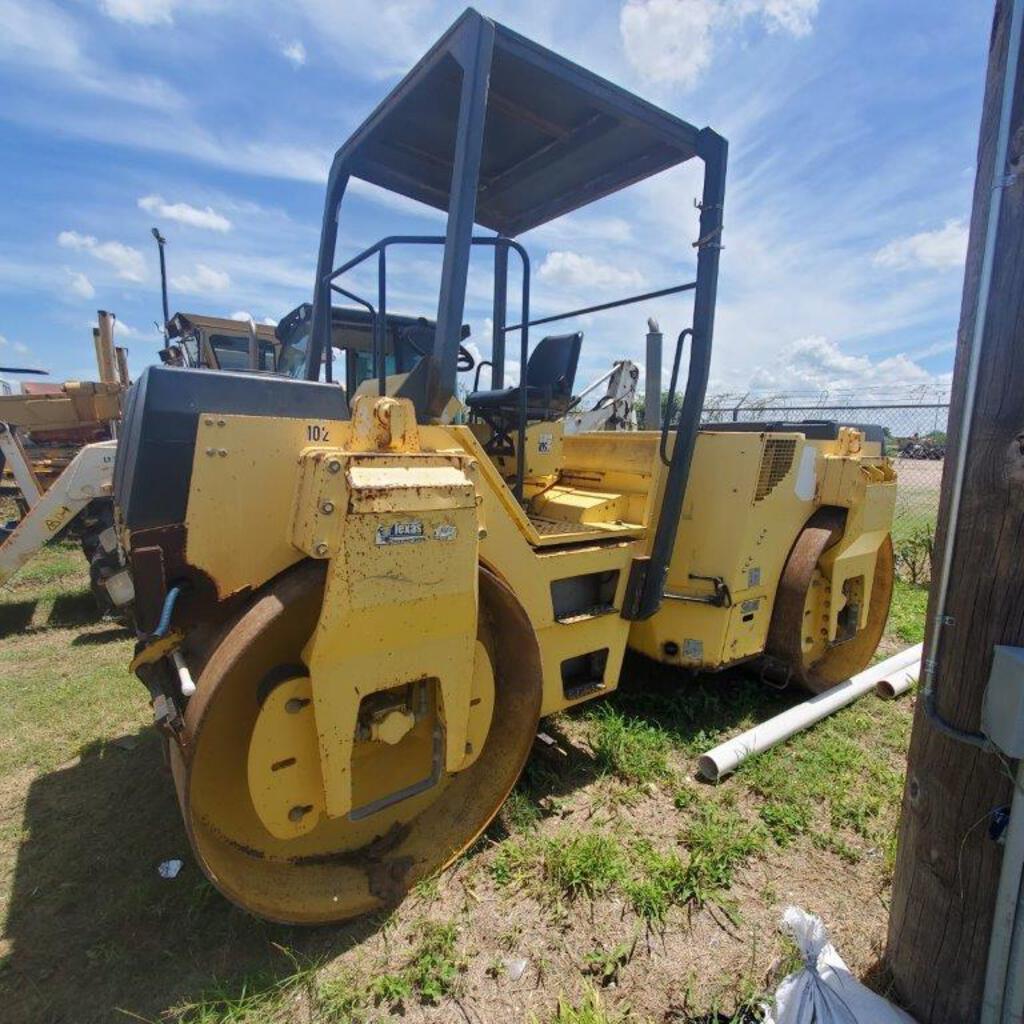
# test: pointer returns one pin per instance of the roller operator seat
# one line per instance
(550, 374)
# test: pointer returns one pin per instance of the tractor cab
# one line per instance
(218, 343)
(352, 358)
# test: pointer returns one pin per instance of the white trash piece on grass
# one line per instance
(516, 967)
(170, 868)
(824, 991)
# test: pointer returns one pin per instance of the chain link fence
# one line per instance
(915, 439)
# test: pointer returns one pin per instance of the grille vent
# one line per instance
(776, 462)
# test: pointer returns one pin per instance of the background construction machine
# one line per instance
(218, 343)
(57, 444)
(351, 685)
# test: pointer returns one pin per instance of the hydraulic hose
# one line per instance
(164, 623)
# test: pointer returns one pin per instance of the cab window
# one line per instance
(292, 361)
(232, 352)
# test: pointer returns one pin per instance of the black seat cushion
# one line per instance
(550, 375)
(504, 398)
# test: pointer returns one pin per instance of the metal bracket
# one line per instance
(705, 240)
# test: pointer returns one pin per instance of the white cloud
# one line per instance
(674, 41)
(139, 12)
(941, 249)
(203, 280)
(81, 285)
(15, 346)
(573, 270)
(582, 228)
(128, 262)
(376, 39)
(818, 364)
(185, 213)
(936, 348)
(295, 52)
(244, 315)
(125, 330)
(39, 36)
(793, 16)
(668, 40)
(73, 240)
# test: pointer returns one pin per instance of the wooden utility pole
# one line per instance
(947, 867)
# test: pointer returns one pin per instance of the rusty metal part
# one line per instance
(158, 561)
(147, 654)
(785, 634)
(344, 867)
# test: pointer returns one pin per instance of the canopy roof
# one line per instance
(556, 136)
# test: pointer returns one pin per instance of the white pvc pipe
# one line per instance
(899, 682)
(726, 757)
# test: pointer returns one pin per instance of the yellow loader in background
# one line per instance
(351, 683)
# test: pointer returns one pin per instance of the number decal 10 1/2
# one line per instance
(315, 432)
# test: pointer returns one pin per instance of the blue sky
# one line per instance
(852, 126)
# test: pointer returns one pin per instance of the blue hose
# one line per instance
(166, 612)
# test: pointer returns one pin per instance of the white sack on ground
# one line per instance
(824, 991)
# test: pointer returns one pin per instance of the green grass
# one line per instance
(839, 782)
(583, 864)
(43, 665)
(255, 1000)
(606, 965)
(629, 748)
(909, 522)
(568, 866)
(664, 881)
(785, 819)
(520, 812)
(341, 1000)
(436, 969)
(719, 840)
(391, 989)
(55, 563)
(432, 973)
(565, 866)
(589, 1011)
(907, 613)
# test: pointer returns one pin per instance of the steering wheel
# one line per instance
(463, 363)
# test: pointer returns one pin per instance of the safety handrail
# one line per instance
(614, 304)
(479, 367)
(671, 396)
(329, 354)
(523, 327)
